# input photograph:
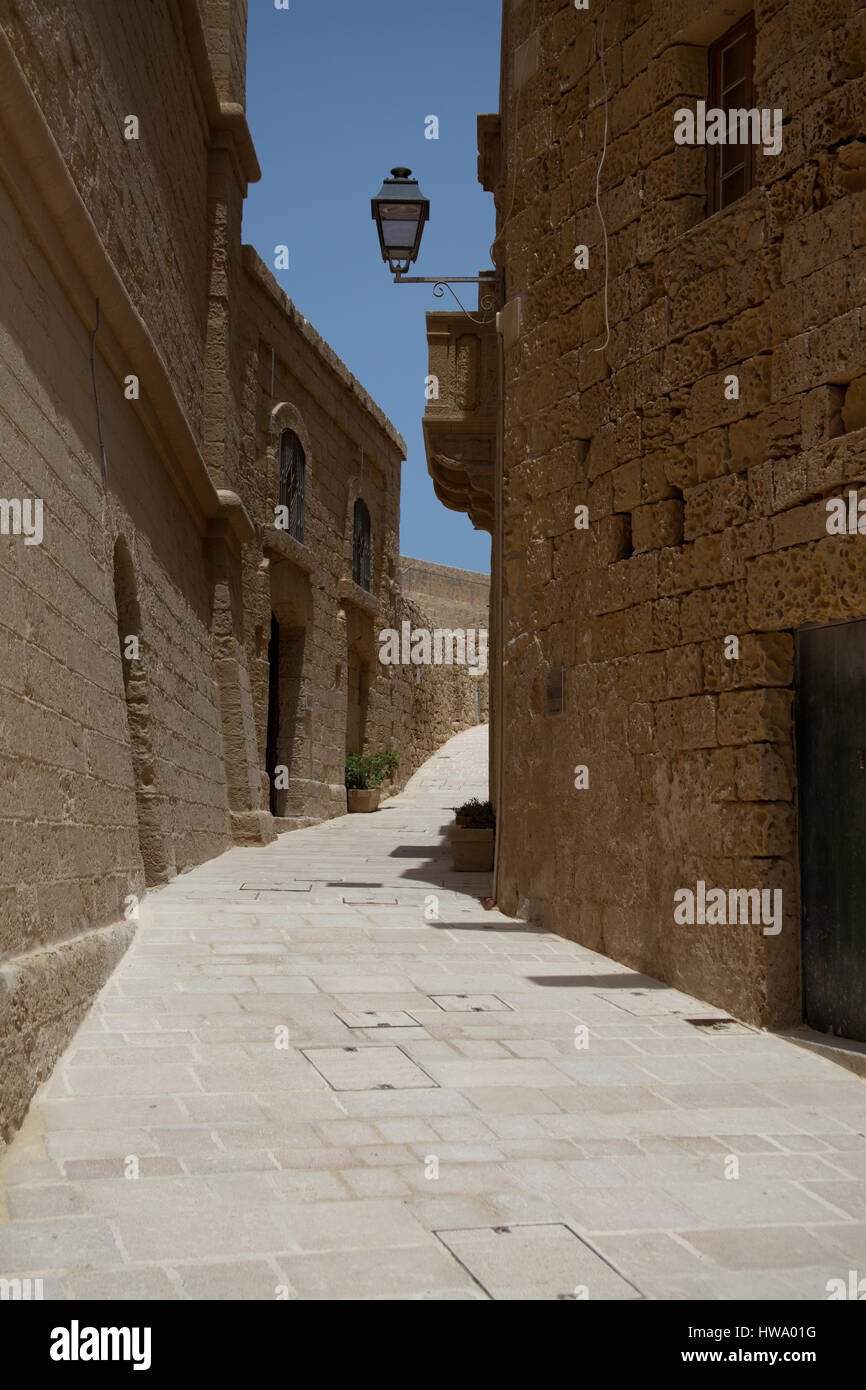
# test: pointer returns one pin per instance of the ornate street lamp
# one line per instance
(400, 211)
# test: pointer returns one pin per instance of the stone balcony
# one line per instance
(460, 419)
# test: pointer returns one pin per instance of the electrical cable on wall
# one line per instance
(600, 49)
(96, 395)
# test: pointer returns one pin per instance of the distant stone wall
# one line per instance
(450, 597)
(427, 705)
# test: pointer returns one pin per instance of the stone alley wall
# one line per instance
(151, 372)
(704, 437)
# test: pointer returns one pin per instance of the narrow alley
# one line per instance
(325, 1070)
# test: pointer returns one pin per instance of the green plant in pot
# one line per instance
(365, 773)
(473, 836)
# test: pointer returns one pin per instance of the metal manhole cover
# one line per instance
(470, 1003)
(535, 1262)
(647, 1003)
(371, 1019)
(369, 1068)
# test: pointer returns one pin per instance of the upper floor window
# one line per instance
(361, 545)
(730, 168)
(292, 483)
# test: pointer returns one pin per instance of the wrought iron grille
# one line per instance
(361, 546)
(293, 471)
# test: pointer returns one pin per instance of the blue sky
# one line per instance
(337, 94)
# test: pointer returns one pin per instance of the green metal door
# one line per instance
(831, 769)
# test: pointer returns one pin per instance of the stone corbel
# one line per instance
(489, 152)
(233, 118)
(281, 546)
(232, 522)
(359, 598)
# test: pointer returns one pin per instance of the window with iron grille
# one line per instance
(730, 168)
(292, 482)
(361, 546)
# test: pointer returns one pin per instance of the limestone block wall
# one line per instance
(430, 704)
(337, 696)
(456, 599)
(706, 513)
(451, 597)
(112, 776)
(75, 755)
(89, 66)
(138, 453)
(292, 380)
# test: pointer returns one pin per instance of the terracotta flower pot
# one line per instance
(471, 850)
(363, 799)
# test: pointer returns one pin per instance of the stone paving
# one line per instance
(328, 1092)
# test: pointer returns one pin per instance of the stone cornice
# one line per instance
(221, 115)
(260, 273)
(42, 188)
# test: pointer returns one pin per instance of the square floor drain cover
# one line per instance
(535, 1262)
(367, 1068)
(276, 888)
(369, 902)
(720, 1025)
(647, 1003)
(470, 1003)
(377, 1020)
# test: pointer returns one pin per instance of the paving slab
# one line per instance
(289, 1043)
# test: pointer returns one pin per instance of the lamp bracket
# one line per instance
(487, 302)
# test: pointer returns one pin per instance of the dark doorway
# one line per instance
(272, 755)
(831, 769)
(357, 701)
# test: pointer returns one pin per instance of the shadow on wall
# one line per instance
(154, 842)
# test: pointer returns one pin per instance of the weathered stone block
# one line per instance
(657, 525)
(764, 772)
(687, 723)
(755, 716)
(765, 659)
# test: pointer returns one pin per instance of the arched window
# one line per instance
(293, 469)
(361, 546)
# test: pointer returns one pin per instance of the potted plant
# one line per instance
(365, 773)
(472, 836)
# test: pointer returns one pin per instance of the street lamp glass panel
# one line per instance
(400, 211)
(399, 224)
